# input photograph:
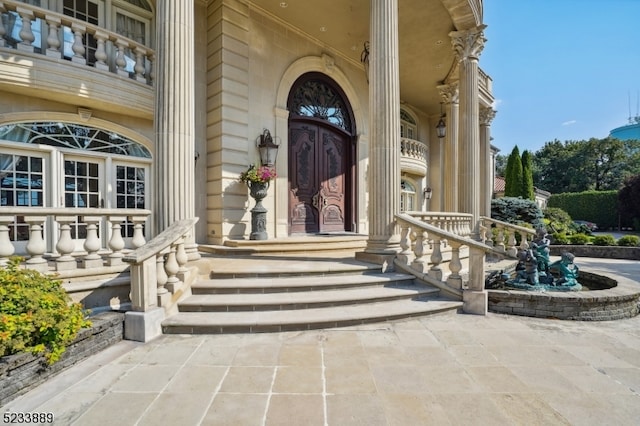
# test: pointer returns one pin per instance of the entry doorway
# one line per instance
(321, 158)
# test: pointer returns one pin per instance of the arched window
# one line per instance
(407, 196)
(313, 96)
(70, 165)
(408, 125)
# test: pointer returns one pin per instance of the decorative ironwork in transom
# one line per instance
(316, 98)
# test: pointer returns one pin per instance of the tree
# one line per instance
(501, 165)
(629, 200)
(527, 176)
(513, 178)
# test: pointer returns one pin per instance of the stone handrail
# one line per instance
(158, 267)
(413, 260)
(62, 252)
(110, 51)
(505, 241)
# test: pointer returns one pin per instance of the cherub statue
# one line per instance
(567, 269)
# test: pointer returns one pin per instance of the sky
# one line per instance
(561, 69)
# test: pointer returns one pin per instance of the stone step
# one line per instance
(291, 245)
(301, 300)
(304, 319)
(298, 283)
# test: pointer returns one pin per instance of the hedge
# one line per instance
(600, 207)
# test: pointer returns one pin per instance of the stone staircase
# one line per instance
(298, 291)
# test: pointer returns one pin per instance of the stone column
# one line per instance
(487, 114)
(384, 125)
(468, 44)
(174, 117)
(449, 95)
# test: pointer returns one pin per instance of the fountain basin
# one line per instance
(609, 297)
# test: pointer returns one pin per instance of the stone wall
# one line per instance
(604, 252)
(21, 372)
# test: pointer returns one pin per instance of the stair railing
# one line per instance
(504, 241)
(413, 259)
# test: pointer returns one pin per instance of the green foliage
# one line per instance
(579, 239)
(629, 200)
(516, 211)
(599, 207)
(577, 166)
(527, 176)
(559, 238)
(629, 241)
(36, 314)
(604, 240)
(557, 220)
(513, 178)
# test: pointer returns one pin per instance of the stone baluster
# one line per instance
(152, 69)
(512, 250)
(6, 247)
(65, 245)
(26, 33)
(3, 30)
(405, 256)
(455, 265)
(172, 267)
(140, 62)
(420, 262)
(436, 259)
(524, 240)
(78, 44)
(121, 62)
(138, 231)
(161, 277)
(36, 246)
(53, 41)
(500, 239)
(101, 51)
(92, 243)
(116, 242)
(182, 259)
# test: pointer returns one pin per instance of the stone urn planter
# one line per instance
(258, 191)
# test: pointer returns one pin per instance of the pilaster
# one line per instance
(468, 44)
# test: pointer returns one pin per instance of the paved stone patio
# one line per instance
(448, 369)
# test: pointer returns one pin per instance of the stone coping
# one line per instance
(603, 252)
(621, 301)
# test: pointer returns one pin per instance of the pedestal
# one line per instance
(258, 191)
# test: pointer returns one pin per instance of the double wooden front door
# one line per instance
(320, 171)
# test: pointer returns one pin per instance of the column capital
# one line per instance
(487, 114)
(449, 92)
(468, 44)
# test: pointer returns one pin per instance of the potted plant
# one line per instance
(257, 179)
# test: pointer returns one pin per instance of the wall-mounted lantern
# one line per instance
(268, 149)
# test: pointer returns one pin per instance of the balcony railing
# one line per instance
(96, 252)
(413, 156)
(66, 39)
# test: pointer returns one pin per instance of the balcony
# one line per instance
(74, 62)
(413, 156)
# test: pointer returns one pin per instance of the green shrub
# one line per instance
(557, 220)
(516, 211)
(604, 240)
(36, 314)
(559, 238)
(579, 239)
(629, 241)
(600, 207)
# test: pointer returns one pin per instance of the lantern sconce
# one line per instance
(268, 149)
(441, 127)
(427, 192)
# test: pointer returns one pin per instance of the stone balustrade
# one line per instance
(158, 274)
(503, 239)
(455, 223)
(113, 52)
(413, 156)
(50, 246)
(427, 264)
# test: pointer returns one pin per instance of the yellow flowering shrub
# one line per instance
(36, 314)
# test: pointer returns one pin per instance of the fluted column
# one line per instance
(384, 123)
(468, 44)
(174, 117)
(449, 96)
(487, 114)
